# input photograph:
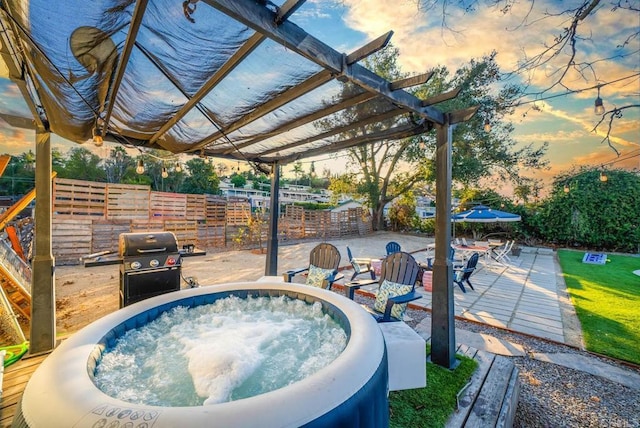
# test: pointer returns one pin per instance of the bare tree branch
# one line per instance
(613, 114)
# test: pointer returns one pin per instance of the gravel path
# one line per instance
(556, 396)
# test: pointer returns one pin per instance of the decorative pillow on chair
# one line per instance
(317, 276)
(391, 289)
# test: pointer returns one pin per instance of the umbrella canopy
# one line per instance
(484, 214)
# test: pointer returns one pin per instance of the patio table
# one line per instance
(470, 249)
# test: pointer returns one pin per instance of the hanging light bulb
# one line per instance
(487, 125)
(165, 174)
(566, 188)
(178, 167)
(97, 138)
(603, 176)
(599, 106)
(312, 173)
(140, 167)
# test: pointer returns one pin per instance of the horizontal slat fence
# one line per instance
(168, 205)
(79, 198)
(89, 218)
(127, 201)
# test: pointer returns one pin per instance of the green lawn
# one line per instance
(607, 301)
(430, 406)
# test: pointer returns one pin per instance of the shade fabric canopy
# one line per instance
(230, 79)
(484, 214)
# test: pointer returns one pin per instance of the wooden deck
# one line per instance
(15, 380)
(490, 399)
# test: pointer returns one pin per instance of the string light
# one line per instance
(97, 138)
(140, 167)
(487, 125)
(165, 174)
(599, 106)
(603, 176)
(178, 167)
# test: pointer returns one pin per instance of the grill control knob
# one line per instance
(136, 265)
(154, 263)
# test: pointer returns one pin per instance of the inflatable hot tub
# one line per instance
(352, 391)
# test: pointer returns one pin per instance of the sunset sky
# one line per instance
(565, 122)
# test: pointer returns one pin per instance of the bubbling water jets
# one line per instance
(231, 349)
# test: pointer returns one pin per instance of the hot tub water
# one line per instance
(231, 349)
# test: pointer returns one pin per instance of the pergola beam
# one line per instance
(17, 71)
(136, 21)
(445, 96)
(463, 115)
(261, 19)
(233, 61)
(397, 133)
(350, 102)
(410, 81)
(368, 49)
(285, 97)
(364, 122)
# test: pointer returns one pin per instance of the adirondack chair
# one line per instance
(396, 287)
(360, 266)
(431, 258)
(322, 271)
(463, 274)
(392, 247)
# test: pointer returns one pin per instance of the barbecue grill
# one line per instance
(151, 265)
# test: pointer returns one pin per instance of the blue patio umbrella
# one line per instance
(484, 214)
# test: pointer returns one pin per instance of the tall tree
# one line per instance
(81, 164)
(19, 176)
(387, 169)
(118, 165)
(201, 179)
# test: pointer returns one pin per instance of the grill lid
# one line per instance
(138, 244)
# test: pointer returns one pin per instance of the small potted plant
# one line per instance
(516, 250)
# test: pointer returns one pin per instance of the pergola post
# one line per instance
(43, 301)
(443, 340)
(271, 264)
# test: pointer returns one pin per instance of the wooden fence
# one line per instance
(88, 218)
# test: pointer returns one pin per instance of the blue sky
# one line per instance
(566, 122)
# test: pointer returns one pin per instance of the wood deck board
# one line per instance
(469, 396)
(488, 404)
(15, 380)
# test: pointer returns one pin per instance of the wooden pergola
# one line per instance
(233, 79)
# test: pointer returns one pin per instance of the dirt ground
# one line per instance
(84, 295)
